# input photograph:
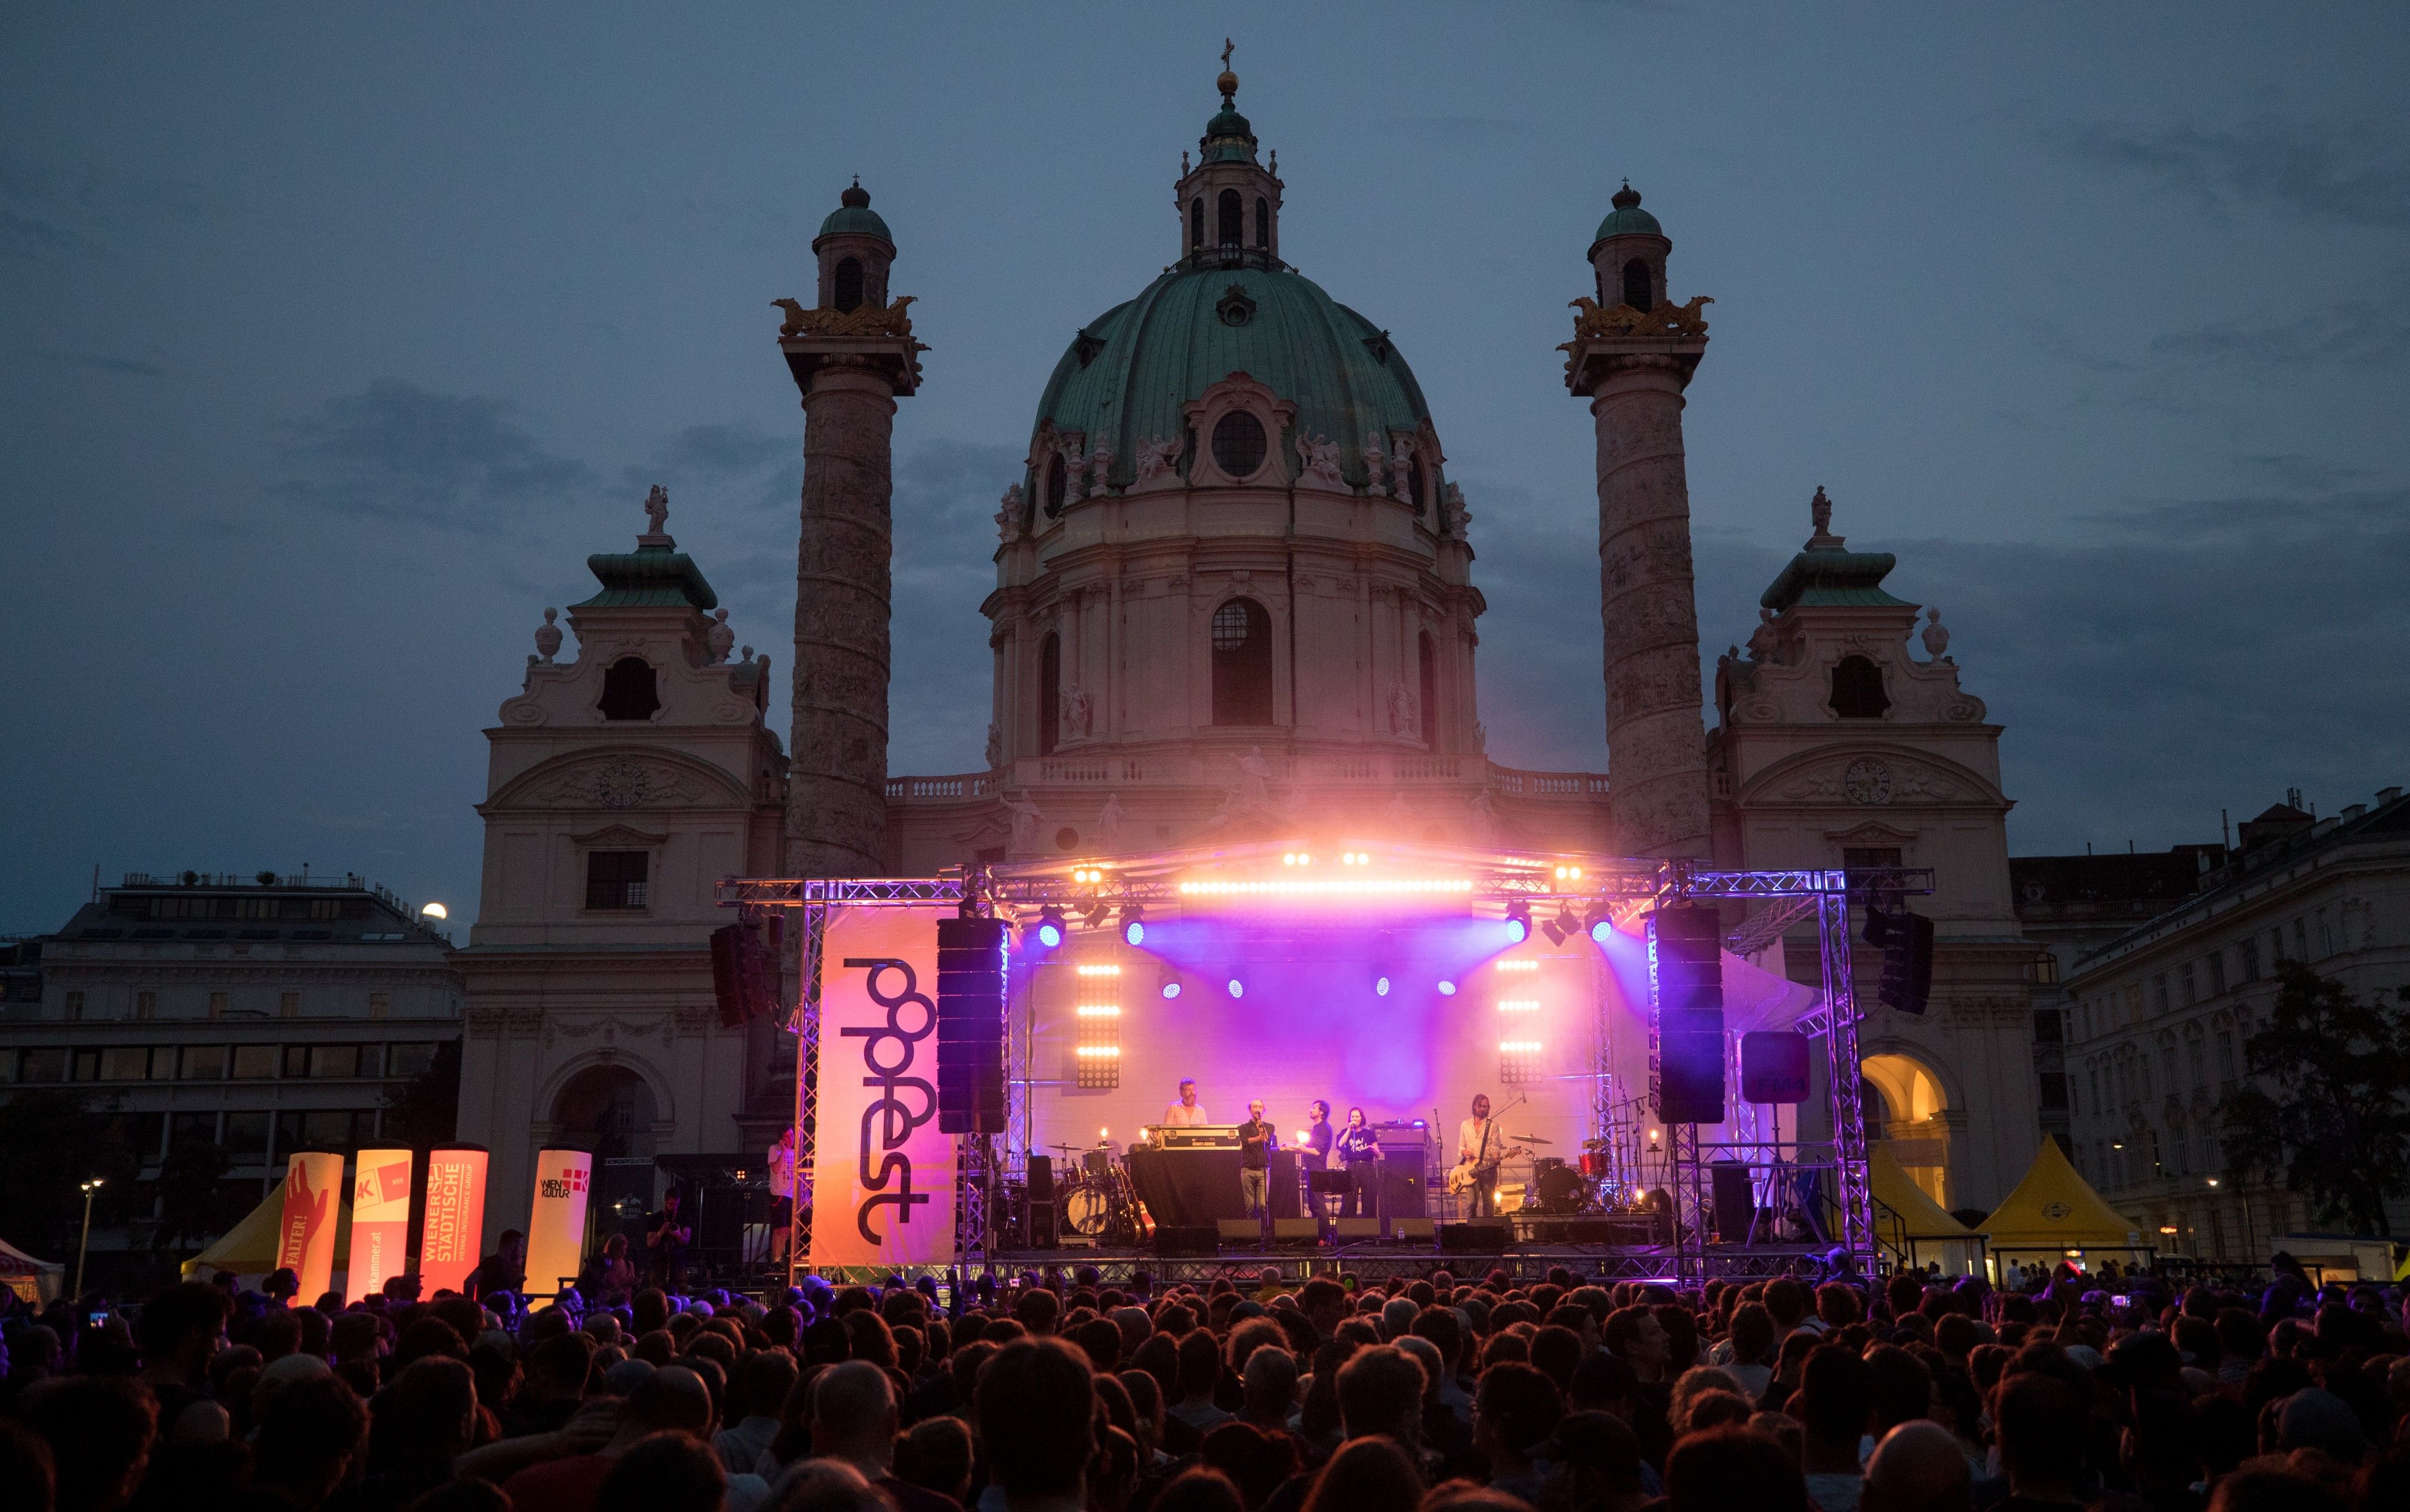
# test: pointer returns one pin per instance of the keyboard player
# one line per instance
(1187, 1113)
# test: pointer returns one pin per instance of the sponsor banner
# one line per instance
(305, 1237)
(380, 1219)
(455, 1220)
(556, 1231)
(883, 1176)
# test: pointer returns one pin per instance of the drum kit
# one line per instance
(1592, 1183)
(1097, 1203)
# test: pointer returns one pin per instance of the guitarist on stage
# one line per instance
(1479, 1150)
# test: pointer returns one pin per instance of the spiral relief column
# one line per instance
(851, 357)
(1631, 356)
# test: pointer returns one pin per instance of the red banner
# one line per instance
(380, 1219)
(455, 1220)
(305, 1240)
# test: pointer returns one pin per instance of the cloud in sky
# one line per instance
(398, 452)
(2337, 172)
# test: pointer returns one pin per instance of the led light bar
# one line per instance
(1515, 965)
(1518, 1047)
(1519, 1005)
(1094, 971)
(1099, 1051)
(1106, 1011)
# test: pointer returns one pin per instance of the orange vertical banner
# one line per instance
(455, 1223)
(380, 1220)
(305, 1239)
(556, 1231)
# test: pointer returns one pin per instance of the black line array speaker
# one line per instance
(1686, 988)
(1041, 1201)
(744, 975)
(1906, 940)
(970, 1025)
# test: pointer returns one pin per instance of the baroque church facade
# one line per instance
(1235, 601)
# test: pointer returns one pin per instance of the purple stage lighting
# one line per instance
(1237, 988)
(1381, 988)
(1448, 989)
(1171, 989)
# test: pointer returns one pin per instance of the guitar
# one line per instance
(1460, 1178)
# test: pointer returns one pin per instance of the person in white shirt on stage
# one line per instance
(782, 1191)
(1187, 1113)
(1480, 1149)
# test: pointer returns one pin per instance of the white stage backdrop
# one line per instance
(883, 1178)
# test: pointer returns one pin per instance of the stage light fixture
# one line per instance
(1601, 924)
(1564, 927)
(1051, 927)
(1237, 988)
(1092, 913)
(1447, 988)
(1170, 990)
(1381, 987)
(1518, 922)
(1133, 925)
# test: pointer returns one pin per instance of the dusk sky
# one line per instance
(335, 338)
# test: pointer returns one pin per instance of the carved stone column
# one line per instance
(1655, 739)
(851, 366)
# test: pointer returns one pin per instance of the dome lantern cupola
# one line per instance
(1229, 203)
(1628, 253)
(854, 250)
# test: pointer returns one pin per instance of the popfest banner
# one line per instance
(380, 1219)
(455, 1220)
(556, 1231)
(305, 1237)
(883, 1176)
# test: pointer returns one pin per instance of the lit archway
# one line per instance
(610, 1110)
(1905, 1105)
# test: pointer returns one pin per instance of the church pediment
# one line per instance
(622, 779)
(1868, 777)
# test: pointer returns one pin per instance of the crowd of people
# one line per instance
(1247, 1394)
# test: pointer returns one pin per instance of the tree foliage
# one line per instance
(51, 1143)
(2330, 1111)
(426, 1110)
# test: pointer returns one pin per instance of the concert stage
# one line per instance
(1399, 980)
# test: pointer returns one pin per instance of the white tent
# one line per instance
(36, 1280)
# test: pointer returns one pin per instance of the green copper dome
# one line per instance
(1130, 370)
(1627, 218)
(854, 214)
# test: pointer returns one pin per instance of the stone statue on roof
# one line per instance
(657, 510)
(1820, 509)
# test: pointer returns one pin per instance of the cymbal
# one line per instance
(1067, 1149)
(1530, 1139)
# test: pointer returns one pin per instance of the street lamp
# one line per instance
(85, 1242)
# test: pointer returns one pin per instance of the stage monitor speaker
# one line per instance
(1482, 1236)
(1041, 1201)
(1735, 1202)
(970, 1025)
(1173, 1240)
(1288, 1231)
(1356, 1230)
(1773, 1066)
(1413, 1229)
(1240, 1233)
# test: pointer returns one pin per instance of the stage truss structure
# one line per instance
(1791, 898)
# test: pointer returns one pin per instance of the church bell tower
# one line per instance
(1631, 356)
(852, 355)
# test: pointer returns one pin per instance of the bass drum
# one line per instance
(1087, 1209)
(1560, 1191)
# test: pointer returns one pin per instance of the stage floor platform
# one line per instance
(1522, 1263)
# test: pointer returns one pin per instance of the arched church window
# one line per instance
(1263, 223)
(1196, 224)
(1239, 444)
(630, 689)
(1050, 695)
(1635, 284)
(847, 282)
(1227, 212)
(1242, 663)
(1058, 485)
(1858, 690)
(1427, 710)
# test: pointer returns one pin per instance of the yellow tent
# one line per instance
(1925, 1228)
(2055, 1210)
(248, 1248)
